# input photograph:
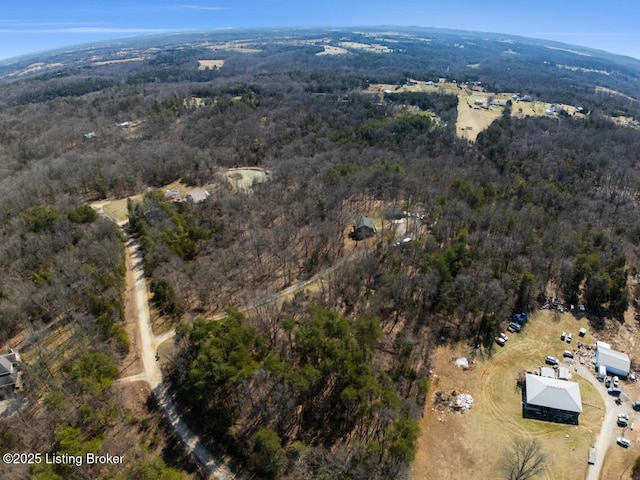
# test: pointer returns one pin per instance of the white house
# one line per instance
(9, 368)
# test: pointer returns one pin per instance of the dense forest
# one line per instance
(330, 382)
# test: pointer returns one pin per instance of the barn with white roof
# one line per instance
(551, 399)
(616, 363)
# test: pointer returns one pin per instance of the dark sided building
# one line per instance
(551, 400)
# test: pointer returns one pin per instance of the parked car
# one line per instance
(504, 337)
(607, 382)
(563, 336)
(569, 337)
(500, 341)
(623, 442)
(614, 391)
(567, 354)
(616, 381)
(636, 406)
(551, 360)
(514, 327)
(623, 420)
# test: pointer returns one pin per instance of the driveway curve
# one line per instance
(608, 432)
(210, 465)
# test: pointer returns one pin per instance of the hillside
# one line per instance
(293, 134)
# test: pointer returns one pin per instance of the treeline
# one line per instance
(337, 376)
(282, 403)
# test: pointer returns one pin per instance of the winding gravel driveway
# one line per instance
(212, 467)
(609, 430)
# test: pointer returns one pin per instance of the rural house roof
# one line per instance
(362, 221)
(563, 373)
(8, 368)
(613, 359)
(553, 393)
(547, 372)
(198, 196)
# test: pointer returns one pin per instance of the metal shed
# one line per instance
(616, 363)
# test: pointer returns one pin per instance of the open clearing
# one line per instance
(455, 445)
(473, 118)
(235, 46)
(374, 47)
(121, 60)
(243, 179)
(210, 64)
(331, 50)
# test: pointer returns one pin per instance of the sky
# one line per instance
(31, 26)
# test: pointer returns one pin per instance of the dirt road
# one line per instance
(608, 432)
(212, 467)
(301, 285)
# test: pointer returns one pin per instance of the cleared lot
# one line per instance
(455, 445)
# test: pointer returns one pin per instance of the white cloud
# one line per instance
(88, 29)
(589, 34)
(177, 7)
(195, 7)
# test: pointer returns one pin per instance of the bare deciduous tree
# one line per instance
(523, 459)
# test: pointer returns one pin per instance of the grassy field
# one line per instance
(470, 445)
(243, 179)
(210, 64)
(236, 46)
(375, 48)
(473, 119)
(331, 50)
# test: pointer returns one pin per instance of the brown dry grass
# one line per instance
(473, 119)
(374, 47)
(116, 209)
(243, 179)
(331, 50)
(470, 445)
(122, 60)
(236, 46)
(210, 64)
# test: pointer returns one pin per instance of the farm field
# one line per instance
(473, 119)
(210, 64)
(331, 50)
(461, 438)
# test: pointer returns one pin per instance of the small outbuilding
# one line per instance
(564, 374)
(197, 196)
(364, 227)
(547, 372)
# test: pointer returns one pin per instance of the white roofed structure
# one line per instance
(547, 372)
(552, 399)
(616, 363)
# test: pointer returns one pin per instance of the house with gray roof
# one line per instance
(551, 399)
(197, 196)
(363, 228)
(9, 369)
